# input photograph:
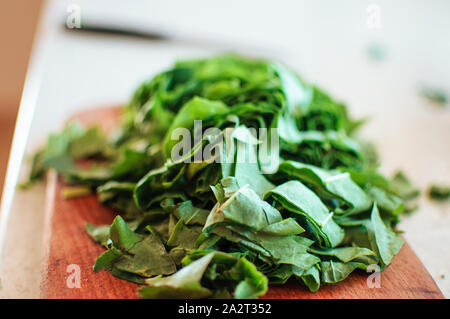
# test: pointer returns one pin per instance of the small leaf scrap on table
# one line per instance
(221, 228)
(439, 192)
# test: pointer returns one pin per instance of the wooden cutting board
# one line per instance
(70, 253)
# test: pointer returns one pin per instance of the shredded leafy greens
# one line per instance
(223, 229)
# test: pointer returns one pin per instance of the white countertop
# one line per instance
(325, 41)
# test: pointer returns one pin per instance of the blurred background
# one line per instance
(387, 60)
(18, 21)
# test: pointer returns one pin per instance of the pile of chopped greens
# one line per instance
(218, 228)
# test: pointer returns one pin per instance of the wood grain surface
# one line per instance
(69, 247)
